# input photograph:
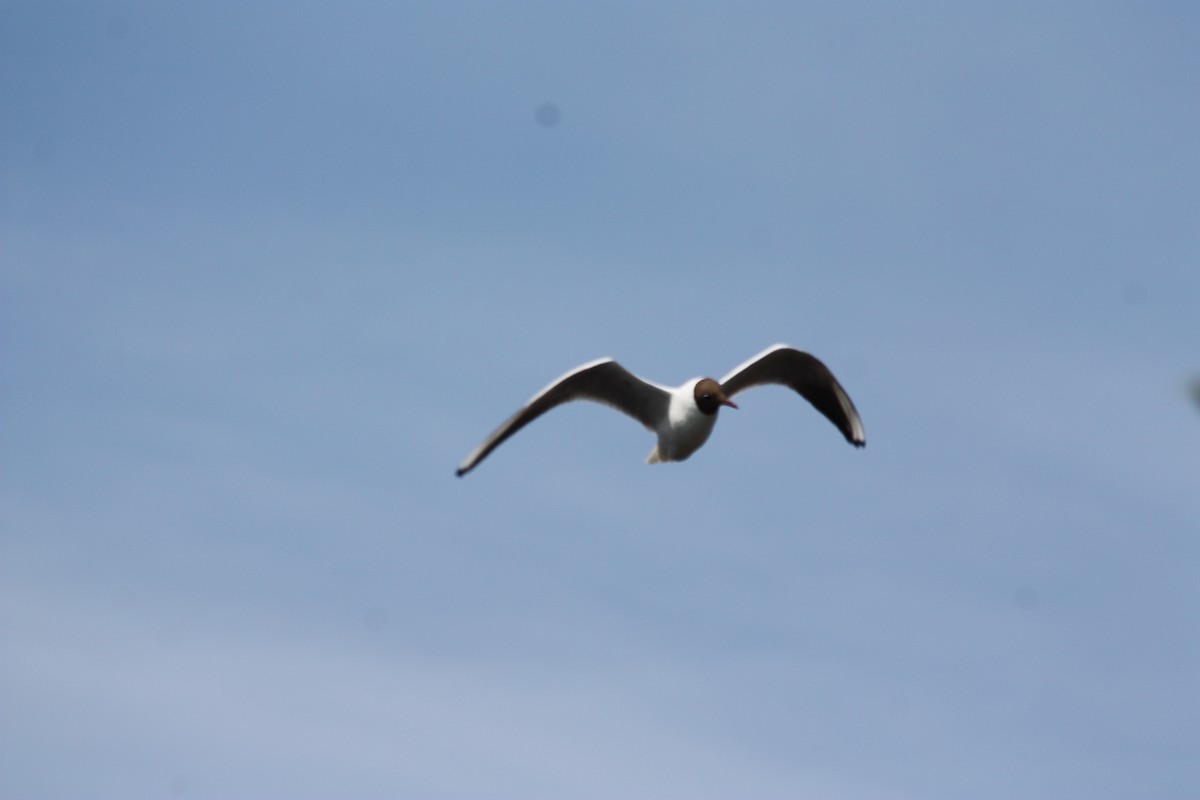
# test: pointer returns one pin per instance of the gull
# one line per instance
(683, 417)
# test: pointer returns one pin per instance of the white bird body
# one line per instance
(683, 418)
(684, 429)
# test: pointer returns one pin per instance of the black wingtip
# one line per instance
(459, 472)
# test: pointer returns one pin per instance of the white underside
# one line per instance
(685, 429)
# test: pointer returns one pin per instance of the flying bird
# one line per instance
(683, 417)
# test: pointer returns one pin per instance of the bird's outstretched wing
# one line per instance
(806, 375)
(604, 381)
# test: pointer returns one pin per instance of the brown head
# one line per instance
(710, 396)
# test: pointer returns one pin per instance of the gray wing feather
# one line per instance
(604, 381)
(806, 375)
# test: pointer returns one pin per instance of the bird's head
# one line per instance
(710, 396)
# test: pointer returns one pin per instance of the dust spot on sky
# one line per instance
(548, 115)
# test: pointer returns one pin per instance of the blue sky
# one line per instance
(268, 271)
